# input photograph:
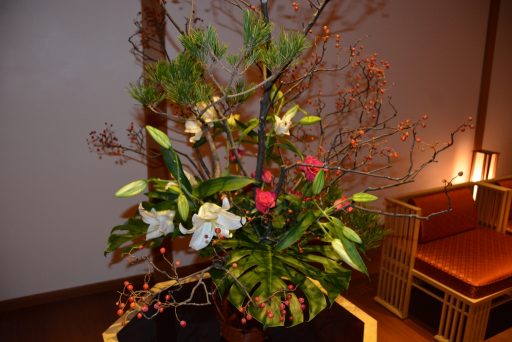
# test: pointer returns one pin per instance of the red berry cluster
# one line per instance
(283, 311)
(106, 142)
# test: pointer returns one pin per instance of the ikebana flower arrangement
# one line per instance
(261, 188)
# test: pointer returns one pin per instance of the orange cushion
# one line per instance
(462, 217)
(476, 263)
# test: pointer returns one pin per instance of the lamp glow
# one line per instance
(484, 165)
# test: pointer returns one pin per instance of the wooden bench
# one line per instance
(461, 258)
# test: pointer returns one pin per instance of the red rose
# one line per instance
(265, 200)
(310, 171)
(266, 176)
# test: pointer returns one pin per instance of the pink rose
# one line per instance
(341, 203)
(310, 171)
(266, 176)
(265, 200)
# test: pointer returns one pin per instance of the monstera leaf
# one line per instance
(304, 283)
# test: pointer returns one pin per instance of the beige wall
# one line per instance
(497, 136)
(65, 67)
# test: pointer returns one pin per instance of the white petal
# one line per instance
(153, 233)
(209, 211)
(225, 203)
(147, 217)
(230, 221)
(202, 236)
(282, 127)
(290, 114)
(195, 137)
(196, 223)
(184, 230)
(192, 126)
(224, 232)
(166, 225)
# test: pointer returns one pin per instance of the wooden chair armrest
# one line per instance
(493, 206)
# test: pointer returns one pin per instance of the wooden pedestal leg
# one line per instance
(462, 321)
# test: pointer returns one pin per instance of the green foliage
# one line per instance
(309, 120)
(123, 236)
(222, 184)
(285, 52)
(318, 182)
(239, 88)
(132, 188)
(296, 232)
(232, 59)
(173, 163)
(181, 80)
(363, 197)
(367, 226)
(146, 95)
(304, 238)
(256, 31)
(266, 274)
(203, 44)
(183, 207)
(160, 137)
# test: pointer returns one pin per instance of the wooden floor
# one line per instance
(84, 319)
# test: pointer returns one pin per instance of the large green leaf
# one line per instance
(173, 163)
(121, 234)
(334, 283)
(316, 300)
(228, 183)
(318, 182)
(348, 252)
(294, 234)
(257, 270)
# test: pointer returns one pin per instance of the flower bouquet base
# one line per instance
(342, 322)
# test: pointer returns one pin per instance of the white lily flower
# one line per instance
(211, 114)
(160, 222)
(193, 126)
(283, 125)
(212, 220)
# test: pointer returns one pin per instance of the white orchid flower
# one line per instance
(282, 125)
(160, 222)
(212, 220)
(193, 126)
